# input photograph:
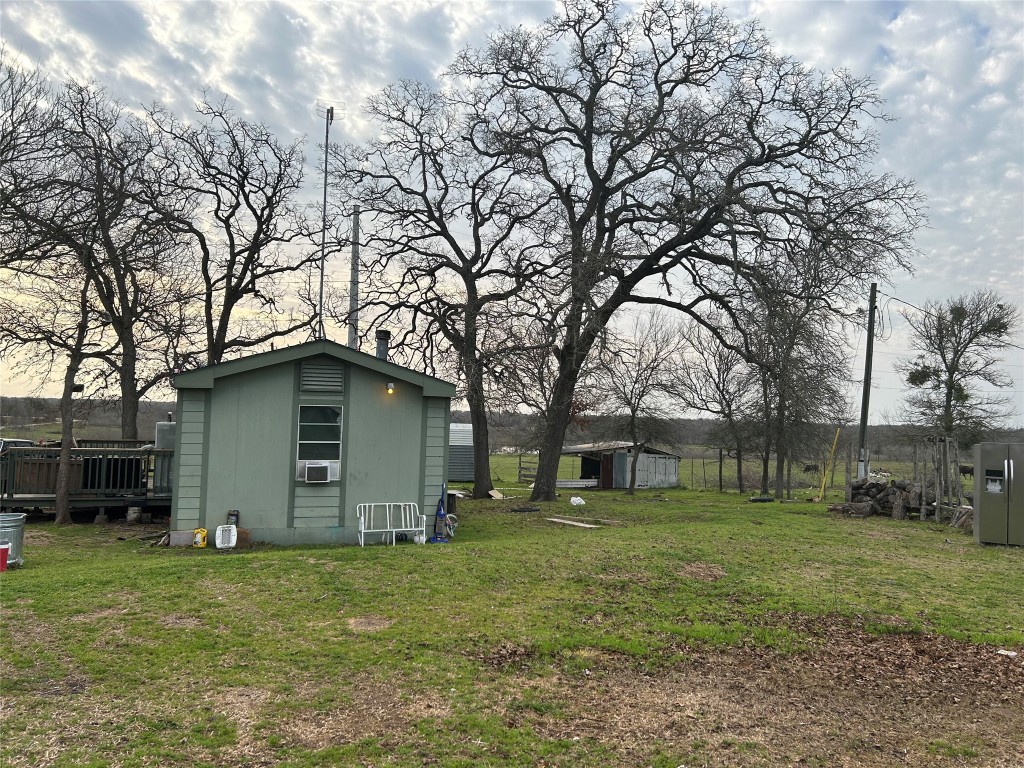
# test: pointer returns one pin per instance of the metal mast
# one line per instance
(323, 231)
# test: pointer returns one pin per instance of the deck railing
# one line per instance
(112, 443)
(94, 472)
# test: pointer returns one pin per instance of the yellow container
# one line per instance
(199, 537)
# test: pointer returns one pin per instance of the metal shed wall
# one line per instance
(460, 453)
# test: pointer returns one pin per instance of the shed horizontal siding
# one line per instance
(306, 504)
(316, 506)
(316, 522)
(193, 404)
(435, 449)
(188, 500)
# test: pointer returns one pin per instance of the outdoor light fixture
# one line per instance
(391, 387)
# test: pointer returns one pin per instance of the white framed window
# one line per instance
(319, 433)
(319, 441)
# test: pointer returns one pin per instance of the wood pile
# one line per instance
(898, 499)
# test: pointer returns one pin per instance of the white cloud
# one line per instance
(952, 74)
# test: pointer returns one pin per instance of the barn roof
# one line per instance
(204, 378)
(579, 450)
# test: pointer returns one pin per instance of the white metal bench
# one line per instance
(390, 517)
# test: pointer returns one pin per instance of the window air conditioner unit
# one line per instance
(317, 472)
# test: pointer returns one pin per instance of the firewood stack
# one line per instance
(896, 498)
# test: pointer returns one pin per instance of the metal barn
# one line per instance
(607, 465)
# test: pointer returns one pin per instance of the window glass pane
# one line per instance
(319, 414)
(319, 451)
(320, 432)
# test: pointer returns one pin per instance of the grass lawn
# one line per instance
(701, 630)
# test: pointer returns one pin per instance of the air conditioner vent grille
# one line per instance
(318, 473)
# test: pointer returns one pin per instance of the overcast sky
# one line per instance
(952, 74)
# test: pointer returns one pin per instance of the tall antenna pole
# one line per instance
(862, 460)
(353, 284)
(323, 231)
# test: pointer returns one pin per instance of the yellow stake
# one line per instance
(828, 465)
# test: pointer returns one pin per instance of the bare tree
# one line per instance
(46, 323)
(26, 120)
(793, 340)
(674, 143)
(714, 378)
(632, 378)
(960, 342)
(80, 192)
(452, 236)
(231, 190)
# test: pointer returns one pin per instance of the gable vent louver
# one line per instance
(322, 376)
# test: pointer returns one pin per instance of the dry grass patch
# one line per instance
(180, 621)
(859, 699)
(36, 538)
(368, 623)
(373, 709)
(702, 571)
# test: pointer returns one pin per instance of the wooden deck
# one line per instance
(100, 478)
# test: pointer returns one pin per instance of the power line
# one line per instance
(932, 314)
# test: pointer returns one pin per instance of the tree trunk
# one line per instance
(739, 467)
(767, 449)
(557, 421)
(62, 492)
(780, 448)
(780, 472)
(129, 393)
(482, 484)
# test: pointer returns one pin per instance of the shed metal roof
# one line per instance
(577, 450)
(204, 378)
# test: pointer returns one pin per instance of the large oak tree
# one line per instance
(675, 144)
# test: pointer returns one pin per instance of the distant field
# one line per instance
(700, 472)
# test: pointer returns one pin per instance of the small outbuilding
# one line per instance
(607, 465)
(294, 439)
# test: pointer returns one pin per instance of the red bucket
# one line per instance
(4, 551)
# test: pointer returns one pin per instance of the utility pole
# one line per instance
(862, 461)
(353, 284)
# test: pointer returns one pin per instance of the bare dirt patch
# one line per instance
(702, 571)
(373, 709)
(859, 699)
(102, 613)
(180, 621)
(368, 623)
(35, 538)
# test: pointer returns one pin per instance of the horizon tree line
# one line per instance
(607, 158)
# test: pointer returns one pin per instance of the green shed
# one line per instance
(296, 438)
